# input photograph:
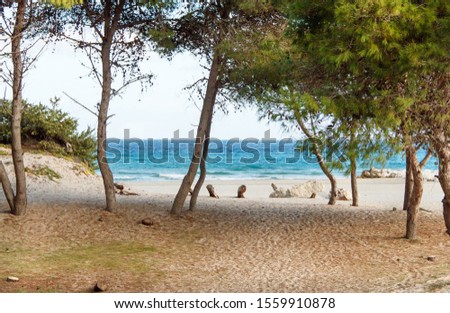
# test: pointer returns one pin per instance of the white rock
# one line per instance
(12, 279)
(306, 190)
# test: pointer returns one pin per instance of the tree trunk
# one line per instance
(443, 152)
(20, 200)
(7, 189)
(333, 192)
(207, 111)
(417, 192)
(108, 180)
(444, 172)
(320, 160)
(409, 181)
(353, 175)
(202, 177)
(354, 182)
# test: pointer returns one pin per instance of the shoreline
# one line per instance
(385, 193)
(75, 185)
(428, 175)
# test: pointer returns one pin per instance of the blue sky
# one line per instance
(157, 113)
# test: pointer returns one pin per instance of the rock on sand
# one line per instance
(304, 190)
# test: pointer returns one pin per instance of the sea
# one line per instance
(234, 159)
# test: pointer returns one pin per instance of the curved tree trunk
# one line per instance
(107, 176)
(320, 160)
(417, 192)
(7, 188)
(20, 200)
(426, 158)
(333, 192)
(207, 111)
(202, 177)
(409, 181)
(443, 152)
(444, 178)
(354, 182)
(353, 175)
(111, 17)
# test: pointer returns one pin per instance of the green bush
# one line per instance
(51, 130)
(43, 171)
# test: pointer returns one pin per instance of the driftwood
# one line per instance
(212, 192)
(120, 189)
(241, 190)
(343, 195)
(277, 192)
(7, 188)
(128, 193)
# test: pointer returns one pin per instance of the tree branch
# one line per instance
(425, 159)
(90, 16)
(117, 14)
(80, 104)
(94, 69)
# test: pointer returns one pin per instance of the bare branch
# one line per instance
(31, 61)
(130, 82)
(196, 83)
(94, 68)
(9, 32)
(80, 104)
(83, 43)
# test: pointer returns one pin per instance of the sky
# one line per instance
(156, 113)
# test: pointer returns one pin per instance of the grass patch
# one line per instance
(75, 267)
(43, 171)
(132, 257)
(113, 256)
(83, 169)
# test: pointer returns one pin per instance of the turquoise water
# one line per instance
(161, 159)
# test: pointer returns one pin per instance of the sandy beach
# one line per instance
(383, 193)
(67, 242)
(111, 108)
